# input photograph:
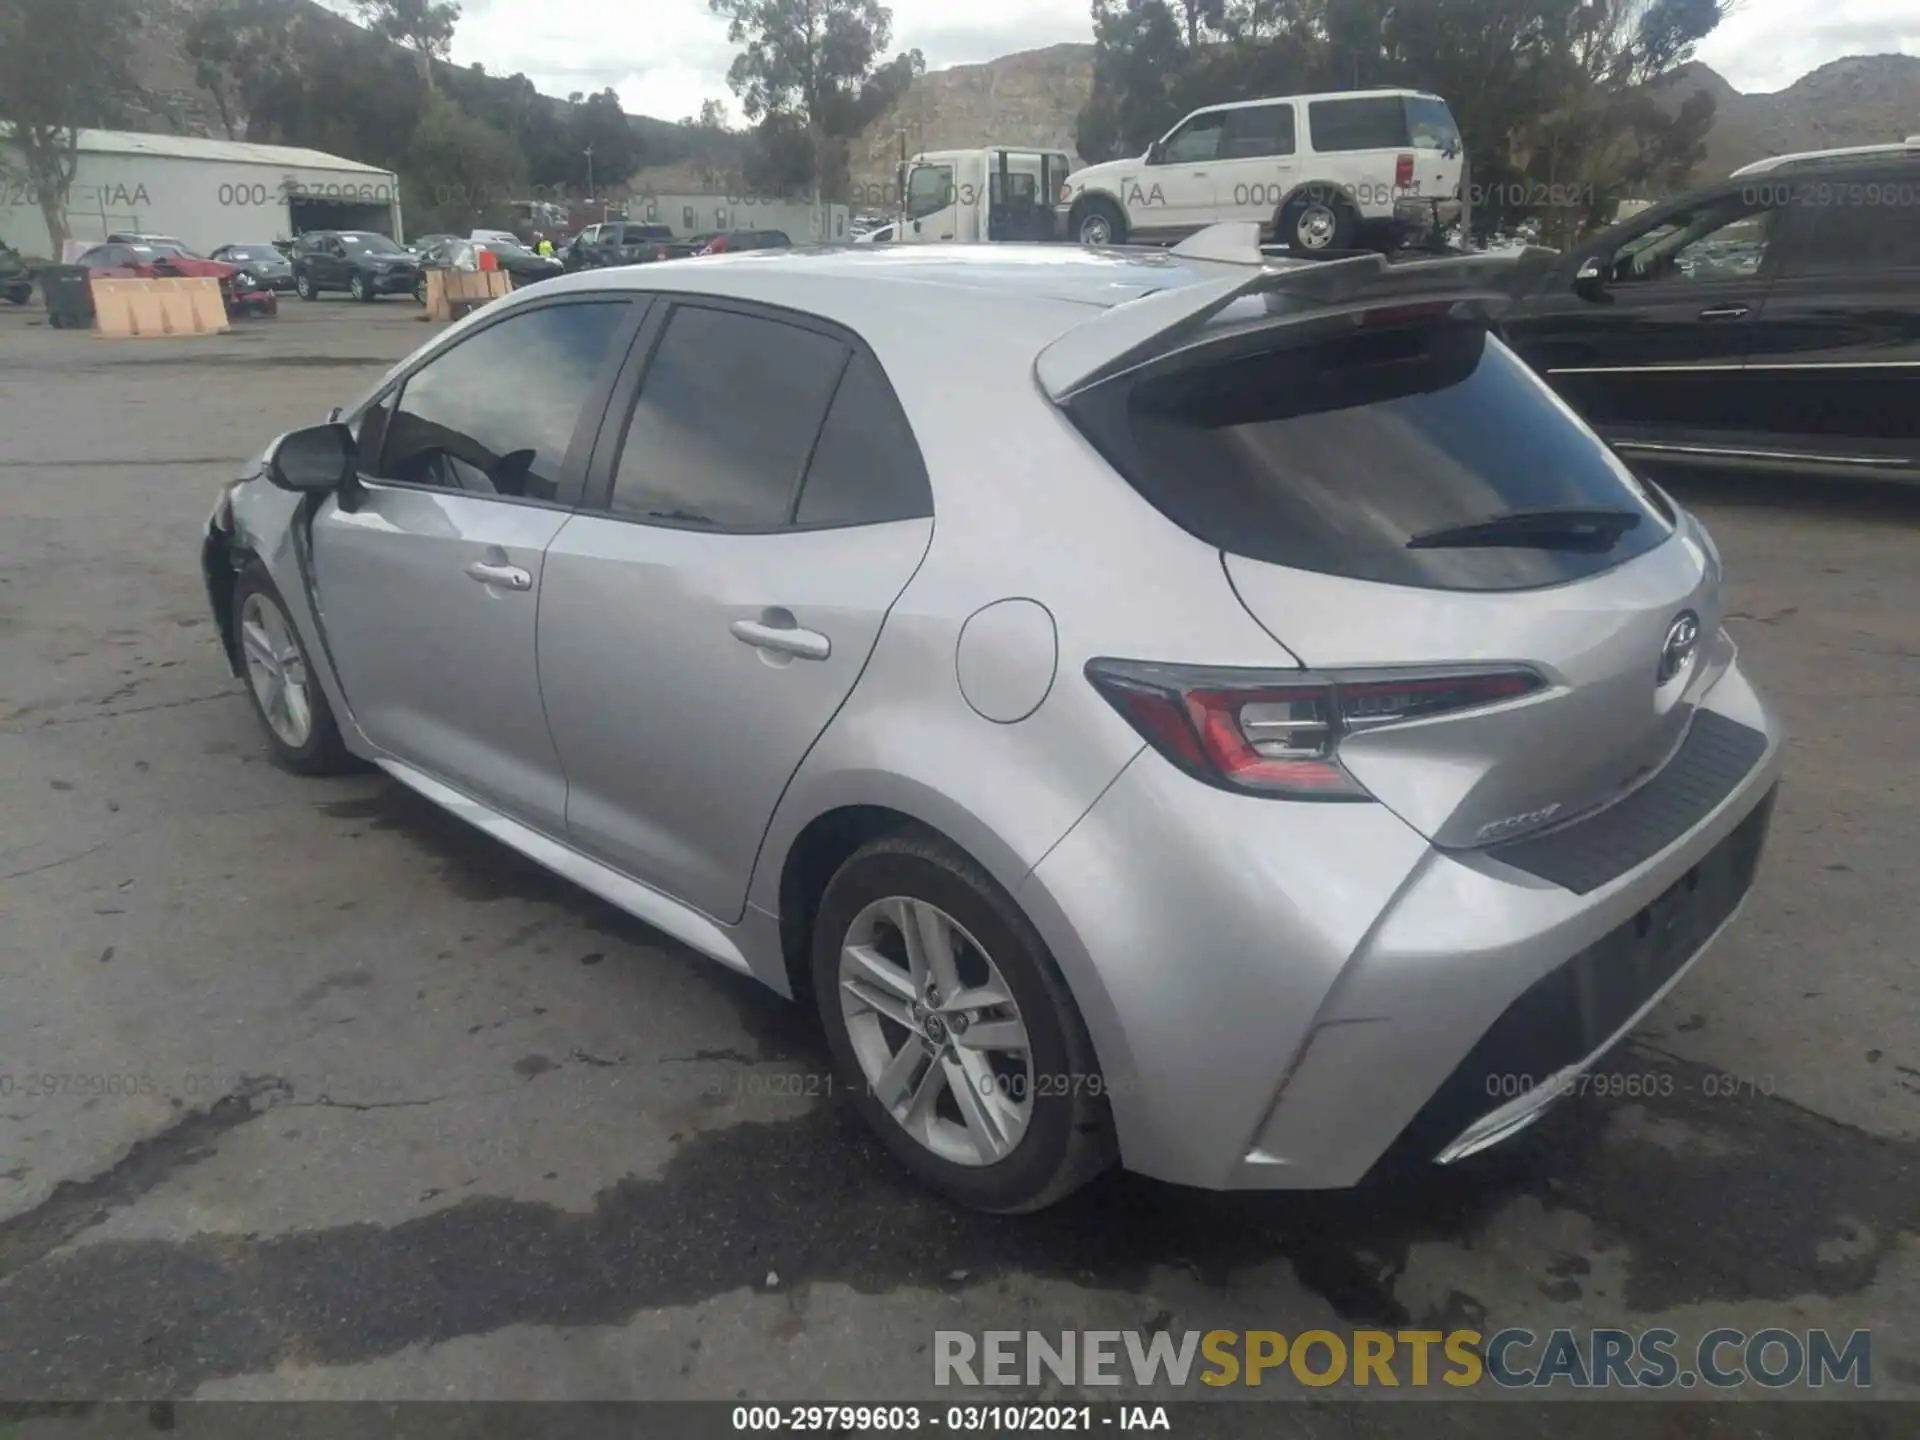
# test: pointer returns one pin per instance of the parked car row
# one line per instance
(243, 290)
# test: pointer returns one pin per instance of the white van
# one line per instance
(995, 193)
(1319, 172)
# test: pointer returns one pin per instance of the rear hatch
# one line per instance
(1401, 504)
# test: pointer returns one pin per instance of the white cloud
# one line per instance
(666, 57)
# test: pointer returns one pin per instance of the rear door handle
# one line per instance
(508, 577)
(1724, 312)
(783, 639)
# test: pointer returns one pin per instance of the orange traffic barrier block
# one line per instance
(143, 309)
(451, 293)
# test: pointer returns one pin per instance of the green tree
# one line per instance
(63, 68)
(812, 68)
(460, 172)
(425, 27)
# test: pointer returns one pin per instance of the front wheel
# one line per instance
(302, 286)
(1099, 222)
(286, 695)
(954, 1031)
(357, 288)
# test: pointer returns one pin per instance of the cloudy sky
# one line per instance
(666, 56)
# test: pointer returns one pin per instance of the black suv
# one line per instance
(1767, 322)
(615, 242)
(363, 263)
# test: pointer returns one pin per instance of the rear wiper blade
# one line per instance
(1560, 527)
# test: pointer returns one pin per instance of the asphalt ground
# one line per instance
(306, 1091)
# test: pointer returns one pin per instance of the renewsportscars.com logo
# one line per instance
(1654, 1359)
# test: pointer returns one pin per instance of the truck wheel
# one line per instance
(1317, 219)
(1098, 221)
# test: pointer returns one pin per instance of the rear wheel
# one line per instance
(1315, 220)
(286, 696)
(953, 1030)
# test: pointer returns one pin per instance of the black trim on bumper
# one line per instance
(1569, 1013)
(1716, 756)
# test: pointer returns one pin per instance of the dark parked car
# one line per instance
(363, 263)
(520, 263)
(16, 281)
(263, 262)
(1770, 321)
(615, 242)
(240, 292)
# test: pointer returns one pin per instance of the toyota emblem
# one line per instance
(1676, 653)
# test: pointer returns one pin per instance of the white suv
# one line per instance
(1321, 172)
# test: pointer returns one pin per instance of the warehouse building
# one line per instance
(204, 192)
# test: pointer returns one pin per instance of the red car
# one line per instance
(121, 260)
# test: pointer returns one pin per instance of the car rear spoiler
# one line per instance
(1158, 324)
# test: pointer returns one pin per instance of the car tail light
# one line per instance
(1403, 172)
(1066, 193)
(661, 253)
(1277, 732)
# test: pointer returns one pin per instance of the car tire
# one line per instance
(420, 290)
(357, 288)
(1067, 1137)
(1098, 221)
(1316, 220)
(303, 287)
(314, 748)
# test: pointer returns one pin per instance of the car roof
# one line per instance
(1898, 149)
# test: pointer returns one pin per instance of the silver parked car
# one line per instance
(1219, 715)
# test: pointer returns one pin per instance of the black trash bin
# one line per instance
(68, 296)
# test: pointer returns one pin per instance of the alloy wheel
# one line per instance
(358, 287)
(1094, 230)
(276, 670)
(936, 1031)
(1317, 226)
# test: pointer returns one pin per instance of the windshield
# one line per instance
(254, 254)
(371, 245)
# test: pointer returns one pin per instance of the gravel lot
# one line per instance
(349, 1102)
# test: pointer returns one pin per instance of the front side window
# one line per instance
(689, 459)
(1258, 130)
(1725, 239)
(1365, 122)
(929, 190)
(1196, 141)
(495, 414)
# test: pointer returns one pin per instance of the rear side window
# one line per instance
(1258, 130)
(866, 468)
(726, 418)
(1366, 122)
(1331, 457)
(1847, 226)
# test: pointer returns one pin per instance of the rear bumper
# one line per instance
(1293, 996)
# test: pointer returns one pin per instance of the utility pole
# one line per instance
(589, 153)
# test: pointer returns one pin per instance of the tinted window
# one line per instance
(725, 420)
(866, 467)
(1858, 225)
(1197, 140)
(494, 415)
(1332, 457)
(929, 189)
(1370, 122)
(1725, 238)
(1258, 130)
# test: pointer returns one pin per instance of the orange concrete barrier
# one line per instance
(143, 309)
(451, 291)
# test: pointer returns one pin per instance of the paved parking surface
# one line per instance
(305, 1091)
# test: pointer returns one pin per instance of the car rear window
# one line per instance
(1332, 456)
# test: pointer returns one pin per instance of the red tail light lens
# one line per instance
(1278, 732)
(1403, 171)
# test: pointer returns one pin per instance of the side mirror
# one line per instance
(1590, 280)
(317, 459)
(1156, 152)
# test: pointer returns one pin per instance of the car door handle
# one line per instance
(1724, 312)
(784, 639)
(509, 577)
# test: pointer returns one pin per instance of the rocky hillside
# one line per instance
(1029, 99)
(1862, 100)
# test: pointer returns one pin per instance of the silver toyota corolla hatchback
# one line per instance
(1221, 716)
